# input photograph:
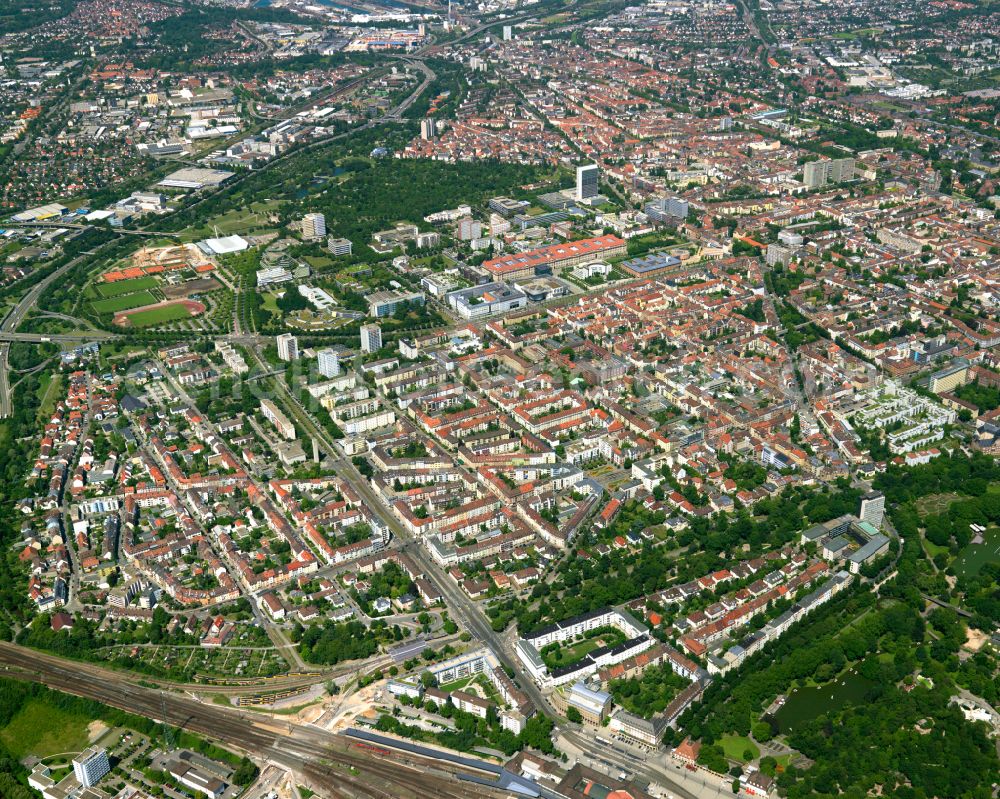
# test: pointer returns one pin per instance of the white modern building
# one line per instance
(90, 766)
(339, 246)
(232, 358)
(486, 299)
(328, 363)
(469, 229)
(872, 509)
(313, 227)
(636, 634)
(273, 276)
(371, 338)
(587, 181)
(288, 347)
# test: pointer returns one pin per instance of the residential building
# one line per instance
(469, 229)
(328, 362)
(288, 347)
(232, 358)
(371, 338)
(950, 377)
(817, 174)
(276, 416)
(587, 181)
(778, 254)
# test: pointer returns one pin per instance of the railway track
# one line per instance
(327, 760)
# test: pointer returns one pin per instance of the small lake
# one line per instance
(805, 704)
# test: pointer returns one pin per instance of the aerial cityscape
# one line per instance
(518, 398)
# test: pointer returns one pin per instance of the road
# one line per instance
(393, 115)
(429, 75)
(751, 22)
(465, 611)
(81, 226)
(9, 327)
(658, 768)
(326, 761)
(607, 758)
(13, 320)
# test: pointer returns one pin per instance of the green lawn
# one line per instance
(971, 559)
(269, 302)
(735, 745)
(556, 655)
(125, 286)
(456, 685)
(41, 730)
(238, 220)
(855, 33)
(159, 316)
(49, 390)
(124, 302)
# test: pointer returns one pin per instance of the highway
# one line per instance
(392, 115)
(330, 763)
(8, 329)
(13, 320)
(59, 338)
(400, 109)
(81, 226)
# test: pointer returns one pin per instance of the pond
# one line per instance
(805, 704)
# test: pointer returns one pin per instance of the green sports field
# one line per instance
(159, 316)
(125, 286)
(971, 559)
(123, 302)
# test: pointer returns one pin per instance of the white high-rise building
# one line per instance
(508, 33)
(873, 509)
(428, 128)
(816, 174)
(469, 229)
(329, 363)
(288, 347)
(371, 338)
(313, 226)
(90, 765)
(339, 246)
(586, 181)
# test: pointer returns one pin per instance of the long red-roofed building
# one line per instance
(545, 259)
